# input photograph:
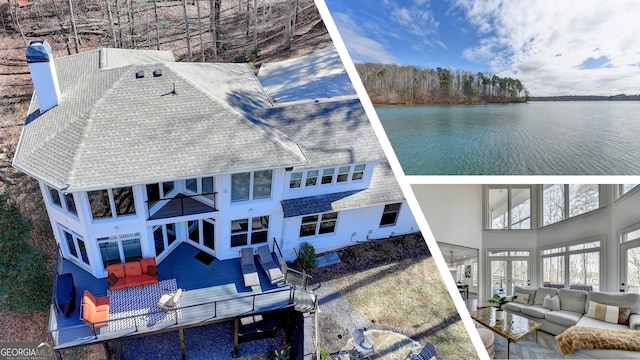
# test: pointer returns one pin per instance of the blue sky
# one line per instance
(555, 47)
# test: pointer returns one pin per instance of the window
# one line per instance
(191, 185)
(202, 232)
(508, 269)
(262, 184)
(318, 224)
(70, 203)
(75, 245)
(624, 189)
(239, 232)
(390, 214)
(203, 186)
(327, 176)
(333, 175)
(474, 274)
(254, 185)
(460, 273)
(100, 205)
(57, 197)
(580, 261)
(312, 178)
(157, 192)
(120, 249)
(509, 208)
(630, 260)
(296, 180)
(123, 201)
(358, 172)
(163, 236)
(631, 235)
(560, 202)
(112, 202)
(343, 174)
(241, 235)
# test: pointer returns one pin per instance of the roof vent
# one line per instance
(140, 74)
(157, 72)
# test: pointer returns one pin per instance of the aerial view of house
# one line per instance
(177, 192)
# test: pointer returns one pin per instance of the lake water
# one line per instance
(537, 138)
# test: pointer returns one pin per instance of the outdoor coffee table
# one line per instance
(513, 328)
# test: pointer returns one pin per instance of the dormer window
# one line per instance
(333, 175)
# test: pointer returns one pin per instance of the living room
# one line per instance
(569, 236)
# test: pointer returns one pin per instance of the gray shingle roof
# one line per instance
(331, 132)
(112, 129)
(384, 189)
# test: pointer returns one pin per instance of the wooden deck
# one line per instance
(212, 293)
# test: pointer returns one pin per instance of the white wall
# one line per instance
(454, 215)
(353, 226)
(452, 212)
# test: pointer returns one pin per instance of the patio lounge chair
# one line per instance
(428, 352)
(270, 267)
(362, 343)
(248, 264)
(168, 301)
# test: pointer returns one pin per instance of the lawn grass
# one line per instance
(409, 297)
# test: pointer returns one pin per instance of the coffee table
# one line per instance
(513, 328)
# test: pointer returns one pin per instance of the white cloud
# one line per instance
(415, 18)
(361, 47)
(525, 38)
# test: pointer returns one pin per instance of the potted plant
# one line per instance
(499, 300)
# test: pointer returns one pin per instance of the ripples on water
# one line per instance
(537, 138)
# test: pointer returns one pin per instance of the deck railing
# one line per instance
(178, 205)
(94, 326)
(291, 276)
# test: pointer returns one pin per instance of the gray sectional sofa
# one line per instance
(573, 307)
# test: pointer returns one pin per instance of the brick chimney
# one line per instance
(43, 74)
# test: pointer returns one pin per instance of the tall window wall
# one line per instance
(572, 266)
(509, 207)
(563, 201)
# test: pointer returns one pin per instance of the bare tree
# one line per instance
(112, 30)
(119, 23)
(214, 14)
(73, 27)
(287, 25)
(132, 28)
(186, 29)
(200, 29)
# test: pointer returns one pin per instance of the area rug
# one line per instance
(204, 258)
(137, 306)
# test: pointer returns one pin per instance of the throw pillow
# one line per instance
(112, 279)
(521, 298)
(551, 302)
(152, 270)
(608, 313)
(623, 316)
